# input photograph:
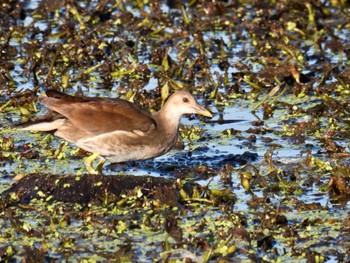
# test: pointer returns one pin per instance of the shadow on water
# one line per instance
(191, 160)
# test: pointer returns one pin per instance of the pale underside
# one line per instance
(120, 146)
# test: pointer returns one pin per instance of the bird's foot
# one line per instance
(88, 164)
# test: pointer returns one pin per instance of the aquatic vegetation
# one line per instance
(274, 73)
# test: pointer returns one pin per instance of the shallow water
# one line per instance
(288, 180)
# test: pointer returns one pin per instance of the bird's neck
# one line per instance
(167, 123)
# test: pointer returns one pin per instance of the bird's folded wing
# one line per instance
(101, 115)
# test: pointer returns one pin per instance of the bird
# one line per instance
(112, 128)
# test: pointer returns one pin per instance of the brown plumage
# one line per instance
(114, 128)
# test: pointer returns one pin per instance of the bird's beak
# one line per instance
(202, 111)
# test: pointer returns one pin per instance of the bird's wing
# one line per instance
(101, 115)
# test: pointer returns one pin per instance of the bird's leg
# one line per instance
(100, 165)
(88, 164)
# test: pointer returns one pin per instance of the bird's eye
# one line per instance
(185, 100)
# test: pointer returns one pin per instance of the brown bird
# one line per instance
(115, 129)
